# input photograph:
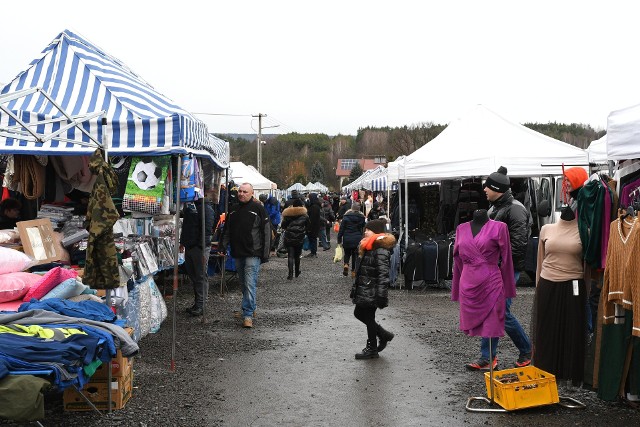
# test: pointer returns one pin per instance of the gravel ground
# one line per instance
(200, 390)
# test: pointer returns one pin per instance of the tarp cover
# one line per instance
(82, 78)
(478, 143)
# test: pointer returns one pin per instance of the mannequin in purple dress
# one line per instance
(483, 275)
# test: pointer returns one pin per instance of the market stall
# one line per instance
(76, 100)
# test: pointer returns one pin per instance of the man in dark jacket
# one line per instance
(314, 225)
(248, 231)
(345, 205)
(506, 209)
(195, 257)
(327, 218)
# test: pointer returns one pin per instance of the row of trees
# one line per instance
(295, 157)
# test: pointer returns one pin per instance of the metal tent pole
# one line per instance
(103, 123)
(205, 262)
(176, 251)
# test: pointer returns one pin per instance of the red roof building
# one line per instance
(345, 165)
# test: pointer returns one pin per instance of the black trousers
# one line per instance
(293, 259)
(367, 315)
(351, 253)
(193, 263)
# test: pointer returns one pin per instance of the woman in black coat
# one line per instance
(349, 235)
(295, 223)
(370, 288)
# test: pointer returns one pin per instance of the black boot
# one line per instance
(384, 337)
(290, 276)
(369, 352)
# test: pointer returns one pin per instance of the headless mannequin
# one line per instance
(480, 218)
(567, 214)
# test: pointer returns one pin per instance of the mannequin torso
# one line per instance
(480, 218)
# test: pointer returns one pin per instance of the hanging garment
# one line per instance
(621, 287)
(190, 180)
(101, 269)
(479, 283)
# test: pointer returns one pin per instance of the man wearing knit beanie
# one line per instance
(505, 208)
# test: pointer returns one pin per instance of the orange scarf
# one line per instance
(367, 243)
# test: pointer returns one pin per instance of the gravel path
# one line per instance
(296, 367)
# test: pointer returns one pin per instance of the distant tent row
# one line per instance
(311, 186)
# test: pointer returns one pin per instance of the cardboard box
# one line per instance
(120, 367)
(97, 393)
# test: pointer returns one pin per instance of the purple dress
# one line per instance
(479, 283)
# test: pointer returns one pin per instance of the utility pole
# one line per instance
(259, 141)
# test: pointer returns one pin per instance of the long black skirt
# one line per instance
(561, 329)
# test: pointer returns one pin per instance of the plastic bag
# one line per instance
(339, 255)
(305, 243)
(336, 226)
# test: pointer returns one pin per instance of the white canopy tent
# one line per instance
(297, 186)
(480, 142)
(321, 187)
(623, 134)
(239, 173)
(597, 151)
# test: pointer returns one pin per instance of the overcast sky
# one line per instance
(335, 66)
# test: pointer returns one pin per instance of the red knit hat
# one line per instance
(576, 176)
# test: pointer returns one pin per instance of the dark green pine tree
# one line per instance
(317, 172)
(356, 171)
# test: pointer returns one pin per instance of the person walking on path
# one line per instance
(370, 287)
(505, 208)
(295, 222)
(343, 207)
(326, 217)
(349, 235)
(195, 258)
(313, 231)
(248, 231)
(376, 211)
(272, 206)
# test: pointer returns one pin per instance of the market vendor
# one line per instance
(9, 213)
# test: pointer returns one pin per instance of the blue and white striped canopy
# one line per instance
(82, 78)
(379, 183)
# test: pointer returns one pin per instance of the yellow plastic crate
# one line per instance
(521, 388)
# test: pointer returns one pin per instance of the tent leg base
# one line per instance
(469, 408)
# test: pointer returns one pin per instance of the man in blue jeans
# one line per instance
(505, 208)
(248, 230)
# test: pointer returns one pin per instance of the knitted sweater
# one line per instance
(621, 275)
(560, 252)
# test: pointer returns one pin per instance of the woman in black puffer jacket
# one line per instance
(349, 235)
(295, 222)
(370, 288)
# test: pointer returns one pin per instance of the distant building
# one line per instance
(343, 169)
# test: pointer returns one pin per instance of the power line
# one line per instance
(224, 114)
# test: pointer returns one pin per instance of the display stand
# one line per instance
(567, 402)
(489, 400)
